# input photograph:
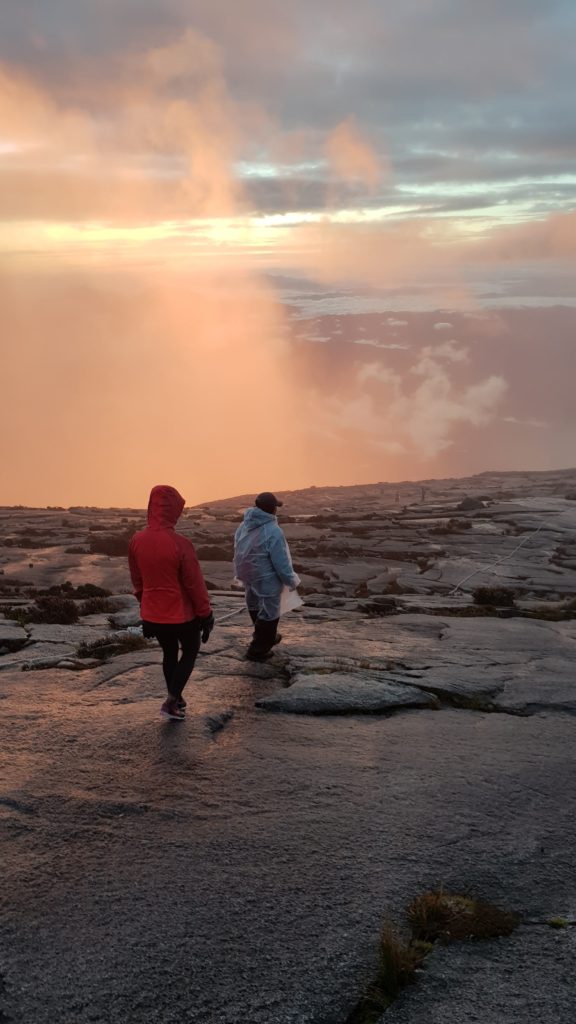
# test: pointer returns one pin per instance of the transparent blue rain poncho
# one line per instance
(262, 562)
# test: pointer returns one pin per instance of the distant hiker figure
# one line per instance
(262, 562)
(170, 587)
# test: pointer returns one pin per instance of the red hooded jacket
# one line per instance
(165, 572)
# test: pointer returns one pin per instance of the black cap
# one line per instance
(268, 502)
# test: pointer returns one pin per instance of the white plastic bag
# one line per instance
(289, 600)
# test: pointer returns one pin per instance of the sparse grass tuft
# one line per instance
(452, 917)
(558, 922)
(99, 606)
(111, 646)
(394, 587)
(398, 961)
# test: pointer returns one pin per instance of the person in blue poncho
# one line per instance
(263, 564)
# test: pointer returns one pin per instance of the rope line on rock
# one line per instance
(503, 558)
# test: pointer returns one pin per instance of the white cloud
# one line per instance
(423, 419)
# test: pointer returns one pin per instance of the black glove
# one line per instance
(206, 625)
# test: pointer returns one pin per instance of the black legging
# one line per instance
(171, 636)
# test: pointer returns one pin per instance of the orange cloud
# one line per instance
(551, 238)
(173, 126)
(179, 372)
(351, 156)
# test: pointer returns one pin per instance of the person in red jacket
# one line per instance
(170, 587)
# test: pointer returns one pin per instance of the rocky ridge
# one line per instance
(404, 734)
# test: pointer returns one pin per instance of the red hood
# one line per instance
(165, 506)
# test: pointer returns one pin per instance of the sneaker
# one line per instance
(170, 709)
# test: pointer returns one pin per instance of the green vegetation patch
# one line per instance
(435, 916)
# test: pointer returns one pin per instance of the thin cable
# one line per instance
(224, 618)
(503, 558)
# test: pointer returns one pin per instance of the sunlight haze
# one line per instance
(273, 244)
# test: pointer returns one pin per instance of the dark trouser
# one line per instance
(171, 636)
(264, 634)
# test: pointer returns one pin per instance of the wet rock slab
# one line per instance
(11, 632)
(496, 982)
(288, 838)
(516, 666)
(37, 656)
(75, 634)
(338, 693)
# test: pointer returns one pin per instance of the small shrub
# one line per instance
(16, 614)
(558, 922)
(496, 596)
(378, 607)
(470, 504)
(451, 917)
(99, 606)
(54, 610)
(67, 589)
(87, 590)
(452, 526)
(114, 544)
(215, 552)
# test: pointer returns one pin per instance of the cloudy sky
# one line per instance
(274, 244)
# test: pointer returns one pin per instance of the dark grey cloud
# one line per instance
(451, 91)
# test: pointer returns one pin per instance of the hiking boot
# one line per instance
(252, 656)
(278, 639)
(181, 702)
(171, 710)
